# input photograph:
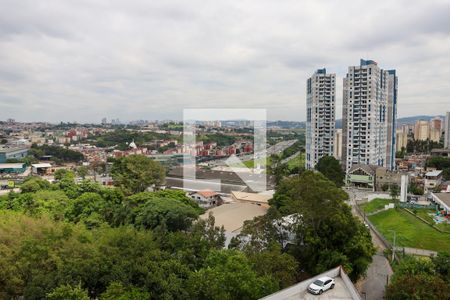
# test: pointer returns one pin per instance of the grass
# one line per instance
(374, 205)
(424, 214)
(251, 163)
(298, 161)
(411, 232)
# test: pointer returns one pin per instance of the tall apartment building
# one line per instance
(391, 119)
(402, 138)
(447, 131)
(369, 116)
(320, 116)
(428, 130)
(338, 144)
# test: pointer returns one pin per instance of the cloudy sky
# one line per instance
(81, 60)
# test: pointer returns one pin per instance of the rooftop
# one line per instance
(444, 198)
(232, 216)
(11, 149)
(343, 289)
(434, 173)
(11, 166)
(252, 197)
(207, 193)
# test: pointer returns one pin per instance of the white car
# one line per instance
(320, 285)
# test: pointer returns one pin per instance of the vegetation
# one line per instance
(59, 154)
(120, 138)
(416, 278)
(331, 169)
(410, 232)
(438, 162)
(319, 229)
(85, 241)
(375, 205)
(419, 146)
(136, 173)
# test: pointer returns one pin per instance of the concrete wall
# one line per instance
(302, 286)
(378, 195)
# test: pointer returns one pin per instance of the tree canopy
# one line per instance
(136, 173)
(331, 169)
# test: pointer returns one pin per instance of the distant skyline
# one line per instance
(85, 60)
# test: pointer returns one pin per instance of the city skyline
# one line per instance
(143, 60)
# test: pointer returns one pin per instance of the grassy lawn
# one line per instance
(411, 232)
(298, 161)
(374, 205)
(251, 163)
(424, 214)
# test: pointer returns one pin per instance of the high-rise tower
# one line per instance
(320, 116)
(369, 116)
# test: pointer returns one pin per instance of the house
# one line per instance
(206, 198)
(433, 179)
(361, 175)
(386, 178)
(41, 169)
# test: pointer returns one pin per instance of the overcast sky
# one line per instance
(83, 60)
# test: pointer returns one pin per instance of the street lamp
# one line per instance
(393, 246)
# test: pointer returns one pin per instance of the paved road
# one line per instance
(379, 271)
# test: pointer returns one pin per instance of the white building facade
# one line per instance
(447, 131)
(320, 116)
(369, 116)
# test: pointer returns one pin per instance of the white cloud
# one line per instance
(83, 60)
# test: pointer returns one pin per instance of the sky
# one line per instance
(82, 60)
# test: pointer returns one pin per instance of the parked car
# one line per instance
(321, 285)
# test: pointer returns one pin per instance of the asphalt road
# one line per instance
(373, 286)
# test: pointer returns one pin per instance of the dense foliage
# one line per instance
(331, 169)
(120, 138)
(136, 173)
(58, 153)
(310, 220)
(420, 146)
(85, 241)
(416, 278)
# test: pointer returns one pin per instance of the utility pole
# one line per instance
(393, 246)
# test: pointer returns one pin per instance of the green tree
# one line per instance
(135, 173)
(34, 184)
(442, 265)
(156, 211)
(117, 291)
(82, 171)
(327, 234)
(394, 193)
(68, 292)
(414, 287)
(228, 274)
(331, 169)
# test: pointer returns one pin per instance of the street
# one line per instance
(373, 286)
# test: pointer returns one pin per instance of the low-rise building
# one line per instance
(12, 168)
(206, 199)
(361, 175)
(432, 179)
(12, 153)
(254, 198)
(385, 178)
(443, 200)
